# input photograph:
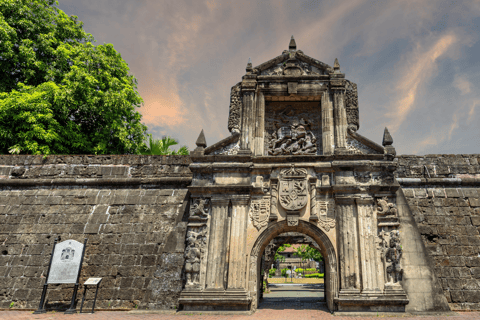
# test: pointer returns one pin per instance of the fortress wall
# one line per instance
(131, 209)
(443, 192)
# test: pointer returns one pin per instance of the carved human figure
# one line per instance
(193, 253)
(393, 255)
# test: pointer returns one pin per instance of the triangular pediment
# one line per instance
(296, 60)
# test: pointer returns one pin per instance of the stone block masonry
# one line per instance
(443, 192)
(131, 209)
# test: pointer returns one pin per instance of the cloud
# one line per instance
(421, 65)
(462, 84)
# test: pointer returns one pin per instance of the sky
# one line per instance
(416, 63)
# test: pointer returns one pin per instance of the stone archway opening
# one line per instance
(304, 228)
(291, 282)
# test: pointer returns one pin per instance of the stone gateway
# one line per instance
(294, 163)
(193, 233)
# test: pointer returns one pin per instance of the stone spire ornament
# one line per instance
(201, 141)
(387, 138)
(389, 150)
(249, 67)
(292, 46)
(336, 65)
(201, 145)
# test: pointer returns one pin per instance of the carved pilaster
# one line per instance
(274, 200)
(313, 199)
(238, 242)
(340, 119)
(327, 124)
(259, 124)
(348, 245)
(367, 237)
(248, 121)
(217, 244)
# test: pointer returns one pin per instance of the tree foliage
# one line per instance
(58, 92)
(162, 147)
(305, 252)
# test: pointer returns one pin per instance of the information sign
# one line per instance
(66, 262)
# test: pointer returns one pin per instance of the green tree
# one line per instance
(162, 147)
(306, 253)
(59, 93)
(278, 256)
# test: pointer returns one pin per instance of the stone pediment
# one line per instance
(292, 64)
(358, 144)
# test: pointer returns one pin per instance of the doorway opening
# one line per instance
(293, 273)
(288, 292)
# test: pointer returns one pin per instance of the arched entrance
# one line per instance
(275, 229)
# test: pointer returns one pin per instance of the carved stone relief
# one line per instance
(392, 251)
(351, 105)
(356, 147)
(235, 109)
(292, 137)
(196, 242)
(292, 128)
(293, 192)
(231, 149)
(199, 209)
(326, 218)
(292, 220)
(292, 67)
(260, 212)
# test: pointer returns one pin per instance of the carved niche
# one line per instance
(291, 136)
(260, 212)
(293, 192)
(196, 240)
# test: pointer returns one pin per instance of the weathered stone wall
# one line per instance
(131, 209)
(443, 192)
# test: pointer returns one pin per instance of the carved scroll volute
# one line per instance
(313, 199)
(274, 199)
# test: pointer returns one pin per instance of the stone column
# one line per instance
(248, 121)
(237, 267)
(327, 124)
(259, 124)
(340, 119)
(348, 246)
(367, 226)
(217, 250)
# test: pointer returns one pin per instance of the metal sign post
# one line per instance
(41, 308)
(90, 281)
(72, 309)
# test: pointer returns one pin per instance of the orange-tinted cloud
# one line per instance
(421, 65)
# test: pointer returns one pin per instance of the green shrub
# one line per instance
(314, 275)
(284, 272)
(271, 272)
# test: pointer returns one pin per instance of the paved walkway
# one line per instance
(263, 314)
(285, 302)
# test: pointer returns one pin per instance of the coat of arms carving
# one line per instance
(293, 192)
(260, 212)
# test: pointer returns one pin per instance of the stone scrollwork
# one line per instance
(199, 209)
(293, 137)
(260, 212)
(363, 177)
(386, 208)
(196, 241)
(326, 211)
(235, 109)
